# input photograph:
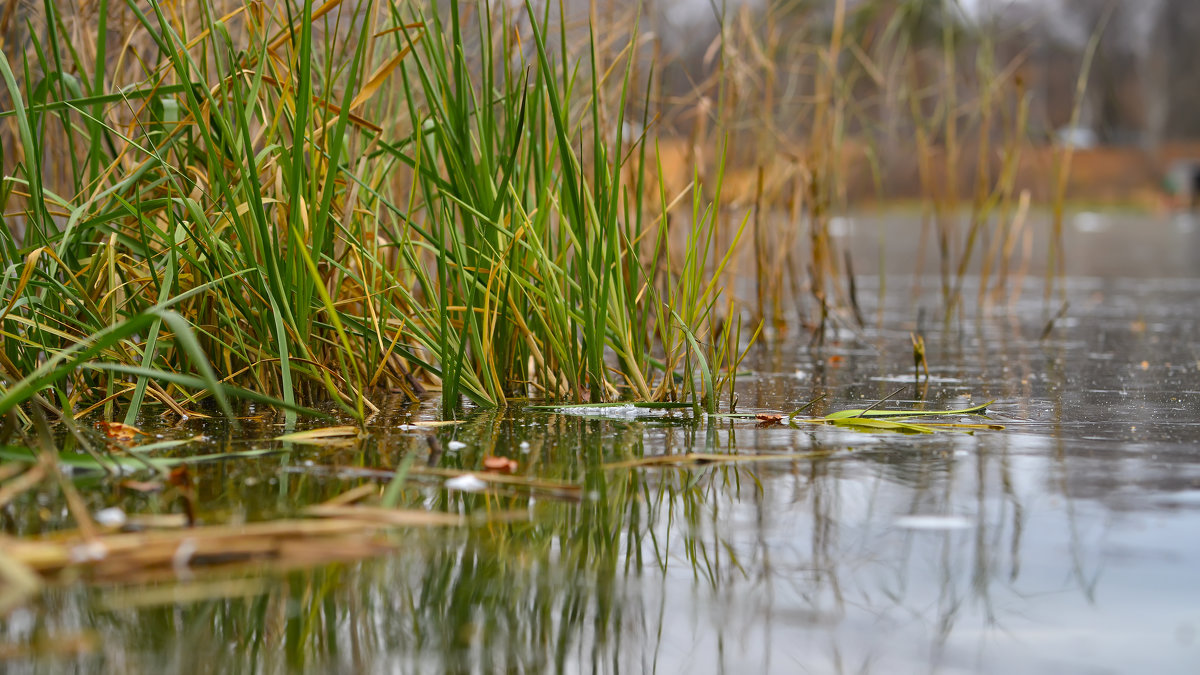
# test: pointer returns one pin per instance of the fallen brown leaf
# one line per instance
(120, 431)
(499, 464)
(142, 485)
(769, 418)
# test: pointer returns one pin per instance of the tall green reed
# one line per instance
(338, 200)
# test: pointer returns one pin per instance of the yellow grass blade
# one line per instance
(26, 275)
(324, 434)
(291, 30)
(379, 77)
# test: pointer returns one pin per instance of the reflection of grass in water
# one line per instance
(535, 589)
(576, 582)
(544, 589)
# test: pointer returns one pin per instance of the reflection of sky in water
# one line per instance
(1087, 539)
(1054, 586)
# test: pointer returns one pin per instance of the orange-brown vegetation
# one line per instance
(1117, 176)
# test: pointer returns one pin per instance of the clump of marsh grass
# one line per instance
(298, 203)
(327, 203)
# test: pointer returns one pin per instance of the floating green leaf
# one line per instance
(870, 424)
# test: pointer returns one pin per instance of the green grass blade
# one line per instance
(860, 413)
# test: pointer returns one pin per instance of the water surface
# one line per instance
(1065, 543)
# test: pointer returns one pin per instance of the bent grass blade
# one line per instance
(861, 413)
(873, 424)
(323, 435)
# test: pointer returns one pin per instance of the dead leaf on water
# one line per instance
(119, 431)
(768, 419)
(499, 464)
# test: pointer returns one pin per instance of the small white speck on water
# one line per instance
(466, 483)
(110, 517)
(456, 445)
(94, 550)
(919, 522)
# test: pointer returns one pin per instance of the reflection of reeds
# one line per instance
(763, 523)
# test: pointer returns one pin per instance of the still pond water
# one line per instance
(1067, 543)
